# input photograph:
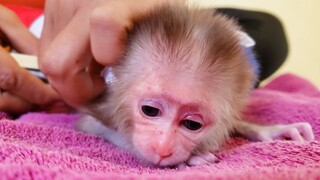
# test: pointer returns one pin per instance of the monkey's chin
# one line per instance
(150, 158)
(164, 162)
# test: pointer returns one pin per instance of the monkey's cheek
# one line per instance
(147, 158)
(145, 153)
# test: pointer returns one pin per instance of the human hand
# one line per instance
(20, 91)
(18, 35)
(80, 38)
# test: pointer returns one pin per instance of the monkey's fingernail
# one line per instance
(182, 166)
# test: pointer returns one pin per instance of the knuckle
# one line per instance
(52, 66)
(8, 79)
(303, 126)
(307, 126)
(294, 132)
(264, 137)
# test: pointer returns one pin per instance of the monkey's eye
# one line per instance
(191, 125)
(150, 111)
(192, 122)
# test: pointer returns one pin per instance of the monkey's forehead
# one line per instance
(245, 40)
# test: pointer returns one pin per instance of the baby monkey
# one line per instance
(179, 90)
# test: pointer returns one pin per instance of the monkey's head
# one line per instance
(181, 85)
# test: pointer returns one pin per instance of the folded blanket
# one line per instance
(45, 146)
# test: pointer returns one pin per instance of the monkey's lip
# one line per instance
(158, 161)
(164, 162)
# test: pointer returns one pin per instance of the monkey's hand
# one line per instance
(199, 159)
(301, 131)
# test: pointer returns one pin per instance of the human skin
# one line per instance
(20, 90)
(85, 35)
(30, 3)
(80, 38)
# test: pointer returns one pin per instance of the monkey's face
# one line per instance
(169, 120)
(183, 79)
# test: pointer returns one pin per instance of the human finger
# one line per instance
(19, 82)
(109, 24)
(13, 104)
(17, 34)
(66, 62)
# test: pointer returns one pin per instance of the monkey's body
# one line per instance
(180, 89)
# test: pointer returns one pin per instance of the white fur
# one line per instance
(90, 125)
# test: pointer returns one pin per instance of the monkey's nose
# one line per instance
(163, 149)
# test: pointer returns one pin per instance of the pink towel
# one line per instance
(45, 146)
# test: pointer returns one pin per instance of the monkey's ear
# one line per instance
(108, 75)
(245, 39)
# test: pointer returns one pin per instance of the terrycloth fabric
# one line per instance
(43, 146)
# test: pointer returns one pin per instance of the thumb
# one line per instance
(108, 33)
(109, 24)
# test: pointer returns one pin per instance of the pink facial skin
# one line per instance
(167, 129)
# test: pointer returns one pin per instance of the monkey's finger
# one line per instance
(108, 32)
(209, 157)
(19, 82)
(264, 134)
(196, 161)
(265, 138)
(201, 159)
(182, 166)
(293, 134)
(305, 130)
(13, 104)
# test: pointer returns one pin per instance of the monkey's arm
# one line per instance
(89, 124)
(297, 131)
(301, 131)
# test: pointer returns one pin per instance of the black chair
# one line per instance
(271, 43)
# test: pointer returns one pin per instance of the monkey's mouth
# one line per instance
(164, 163)
(170, 161)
